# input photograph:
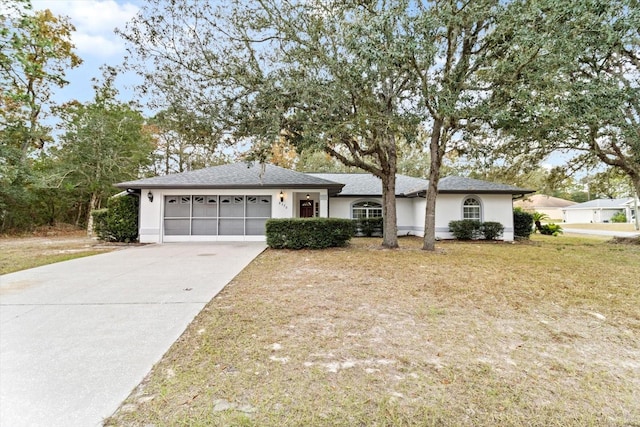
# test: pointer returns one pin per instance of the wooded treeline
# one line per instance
(482, 88)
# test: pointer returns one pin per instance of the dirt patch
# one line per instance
(625, 240)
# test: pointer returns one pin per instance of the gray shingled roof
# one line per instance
(236, 175)
(602, 203)
(254, 175)
(458, 184)
(364, 184)
(462, 185)
(369, 185)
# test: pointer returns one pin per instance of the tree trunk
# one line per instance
(93, 204)
(390, 217)
(79, 214)
(636, 186)
(432, 191)
(389, 164)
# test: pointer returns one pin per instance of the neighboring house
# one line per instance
(599, 210)
(233, 202)
(551, 206)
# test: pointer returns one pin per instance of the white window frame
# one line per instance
(375, 206)
(466, 208)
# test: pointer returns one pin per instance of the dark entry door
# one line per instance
(306, 208)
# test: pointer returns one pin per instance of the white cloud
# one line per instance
(97, 45)
(95, 21)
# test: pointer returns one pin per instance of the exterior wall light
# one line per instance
(281, 195)
(150, 196)
(308, 196)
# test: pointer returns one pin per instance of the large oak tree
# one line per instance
(585, 100)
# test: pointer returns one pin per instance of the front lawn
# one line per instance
(22, 252)
(609, 226)
(544, 333)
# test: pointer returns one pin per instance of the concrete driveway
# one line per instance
(76, 337)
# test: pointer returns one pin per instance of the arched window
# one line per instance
(366, 210)
(471, 208)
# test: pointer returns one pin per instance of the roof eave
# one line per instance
(422, 193)
(377, 195)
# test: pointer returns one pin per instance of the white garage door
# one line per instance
(215, 215)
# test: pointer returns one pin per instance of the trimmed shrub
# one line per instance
(369, 227)
(551, 229)
(619, 217)
(119, 222)
(522, 223)
(122, 220)
(465, 229)
(100, 223)
(311, 233)
(492, 230)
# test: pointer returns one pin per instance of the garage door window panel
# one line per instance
(205, 206)
(258, 206)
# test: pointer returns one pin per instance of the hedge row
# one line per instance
(119, 221)
(468, 229)
(311, 233)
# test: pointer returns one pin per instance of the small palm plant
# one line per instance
(537, 218)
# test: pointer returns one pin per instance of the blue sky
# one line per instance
(95, 41)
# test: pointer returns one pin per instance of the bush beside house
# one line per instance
(119, 221)
(466, 229)
(619, 217)
(522, 224)
(310, 233)
(492, 230)
(369, 227)
(469, 229)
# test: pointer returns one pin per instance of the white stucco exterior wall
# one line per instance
(495, 207)
(340, 207)
(151, 222)
(410, 211)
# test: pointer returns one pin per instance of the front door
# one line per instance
(306, 209)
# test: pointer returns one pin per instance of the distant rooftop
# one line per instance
(603, 203)
(541, 201)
